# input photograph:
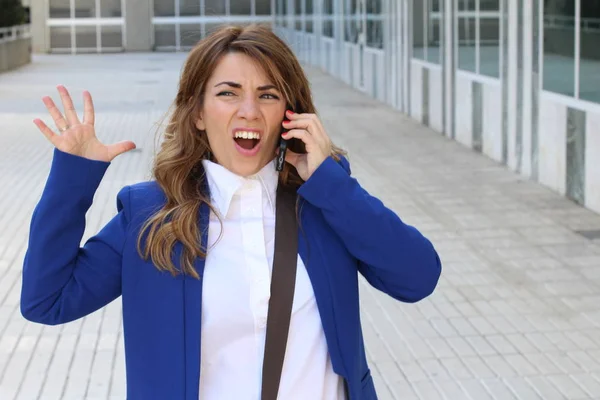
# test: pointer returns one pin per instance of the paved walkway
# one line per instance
(517, 311)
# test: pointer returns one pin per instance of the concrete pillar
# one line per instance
(138, 24)
(40, 41)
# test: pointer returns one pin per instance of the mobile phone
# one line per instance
(283, 144)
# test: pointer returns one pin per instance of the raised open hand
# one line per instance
(78, 138)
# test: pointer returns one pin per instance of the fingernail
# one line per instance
(291, 112)
(285, 121)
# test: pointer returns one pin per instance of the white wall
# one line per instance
(436, 102)
(416, 95)
(552, 152)
(592, 158)
(492, 121)
(463, 110)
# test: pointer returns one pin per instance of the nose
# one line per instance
(249, 108)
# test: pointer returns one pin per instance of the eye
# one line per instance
(270, 96)
(225, 93)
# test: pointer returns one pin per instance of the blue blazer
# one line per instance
(344, 231)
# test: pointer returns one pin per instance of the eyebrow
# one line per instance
(239, 86)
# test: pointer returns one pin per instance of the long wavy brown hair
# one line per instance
(178, 165)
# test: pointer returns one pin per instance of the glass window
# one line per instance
(284, 12)
(328, 18)
(189, 7)
(309, 16)
(489, 40)
(214, 7)
(263, 7)
(278, 18)
(60, 37)
(211, 27)
(85, 9)
(375, 34)
(60, 9)
(427, 39)
(434, 32)
(479, 32)
(164, 8)
(489, 5)
(419, 32)
(559, 46)
(110, 8)
(351, 21)
(466, 5)
(85, 37)
(589, 66)
(240, 7)
(164, 35)
(190, 34)
(374, 7)
(467, 36)
(111, 36)
(374, 24)
(298, 15)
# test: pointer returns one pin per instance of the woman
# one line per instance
(191, 252)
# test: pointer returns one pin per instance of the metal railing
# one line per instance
(14, 32)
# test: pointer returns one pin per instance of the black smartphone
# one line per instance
(283, 144)
(296, 145)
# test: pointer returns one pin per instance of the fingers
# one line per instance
(292, 157)
(301, 134)
(68, 106)
(309, 122)
(119, 148)
(55, 113)
(88, 109)
(45, 130)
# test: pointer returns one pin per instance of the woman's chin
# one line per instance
(247, 166)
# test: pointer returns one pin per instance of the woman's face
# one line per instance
(242, 115)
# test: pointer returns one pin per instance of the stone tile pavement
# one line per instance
(517, 311)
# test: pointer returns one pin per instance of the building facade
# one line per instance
(102, 26)
(518, 80)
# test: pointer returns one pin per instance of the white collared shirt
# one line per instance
(235, 300)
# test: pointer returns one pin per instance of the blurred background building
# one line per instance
(518, 80)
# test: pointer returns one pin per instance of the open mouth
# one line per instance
(247, 140)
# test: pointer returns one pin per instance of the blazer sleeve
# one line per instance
(61, 280)
(393, 256)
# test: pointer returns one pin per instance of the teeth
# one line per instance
(247, 135)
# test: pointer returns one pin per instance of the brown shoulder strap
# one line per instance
(283, 282)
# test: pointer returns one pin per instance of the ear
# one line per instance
(200, 123)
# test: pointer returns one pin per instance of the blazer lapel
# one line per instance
(193, 314)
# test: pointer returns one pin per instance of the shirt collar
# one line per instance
(224, 184)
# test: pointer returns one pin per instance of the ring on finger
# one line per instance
(64, 129)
